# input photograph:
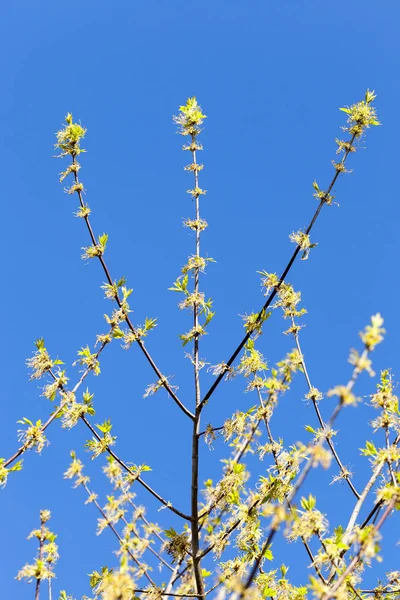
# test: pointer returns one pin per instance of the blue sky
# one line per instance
(270, 76)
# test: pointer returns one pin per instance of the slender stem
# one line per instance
(195, 538)
(240, 453)
(358, 556)
(214, 587)
(299, 482)
(56, 413)
(344, 471)
(139, 591)
(379, 591)
(141, 516)
(41, 543)
(176, 575)
(213, 429)
(281, 281)
(149, 548)
(289, 505)
(389, 462)
(353, 589)
(115, 532)
(119, 302)
(138, 479)
(357, 508)
(94, 432)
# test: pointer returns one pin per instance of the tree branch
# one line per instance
(358, 556)
(344, 472)
(140, 342)
(137, 478)
(281, 281)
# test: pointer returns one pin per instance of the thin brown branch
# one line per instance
(299, 482)
(195, 538)
(137, 478)
(40, 559)
(343, 471)
(240, 453)
(358, 557)
(281, 281)
(57, 412)
(288, 503)
(115, 532)
(140, 342)
(145, 520)
(389, 463)
(357, 508)
(139, 591)
(379, 591)
(149, 548)
(211, 430)
(355, 592)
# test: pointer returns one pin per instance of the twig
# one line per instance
(358, 556)
(141, 516)
(55, 414)
(213, 429)
(138, 479)
(149, 548)
(298, 484)
(281, 281)
(138, 591)
(344, 472)
(379, 591)
(389, 463)
(240, 453)
(289, 505)
(195, 539)
(356, 511)
(115, 532)
(140, 342)
(40, 559)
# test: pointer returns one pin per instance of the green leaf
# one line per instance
(170, 533)
(309, 503)
(315, 186)
(40, 344)
(25, 421)
(309, 428)
(179, 285)
(103, 239)
(149, 324)
(16, 467)
(105, 427)
(284, 570)
(268, 554)
(209, 317)
(369, 450)
(117, 333)
(121, 282)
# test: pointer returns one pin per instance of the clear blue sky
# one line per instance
(270, 76)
